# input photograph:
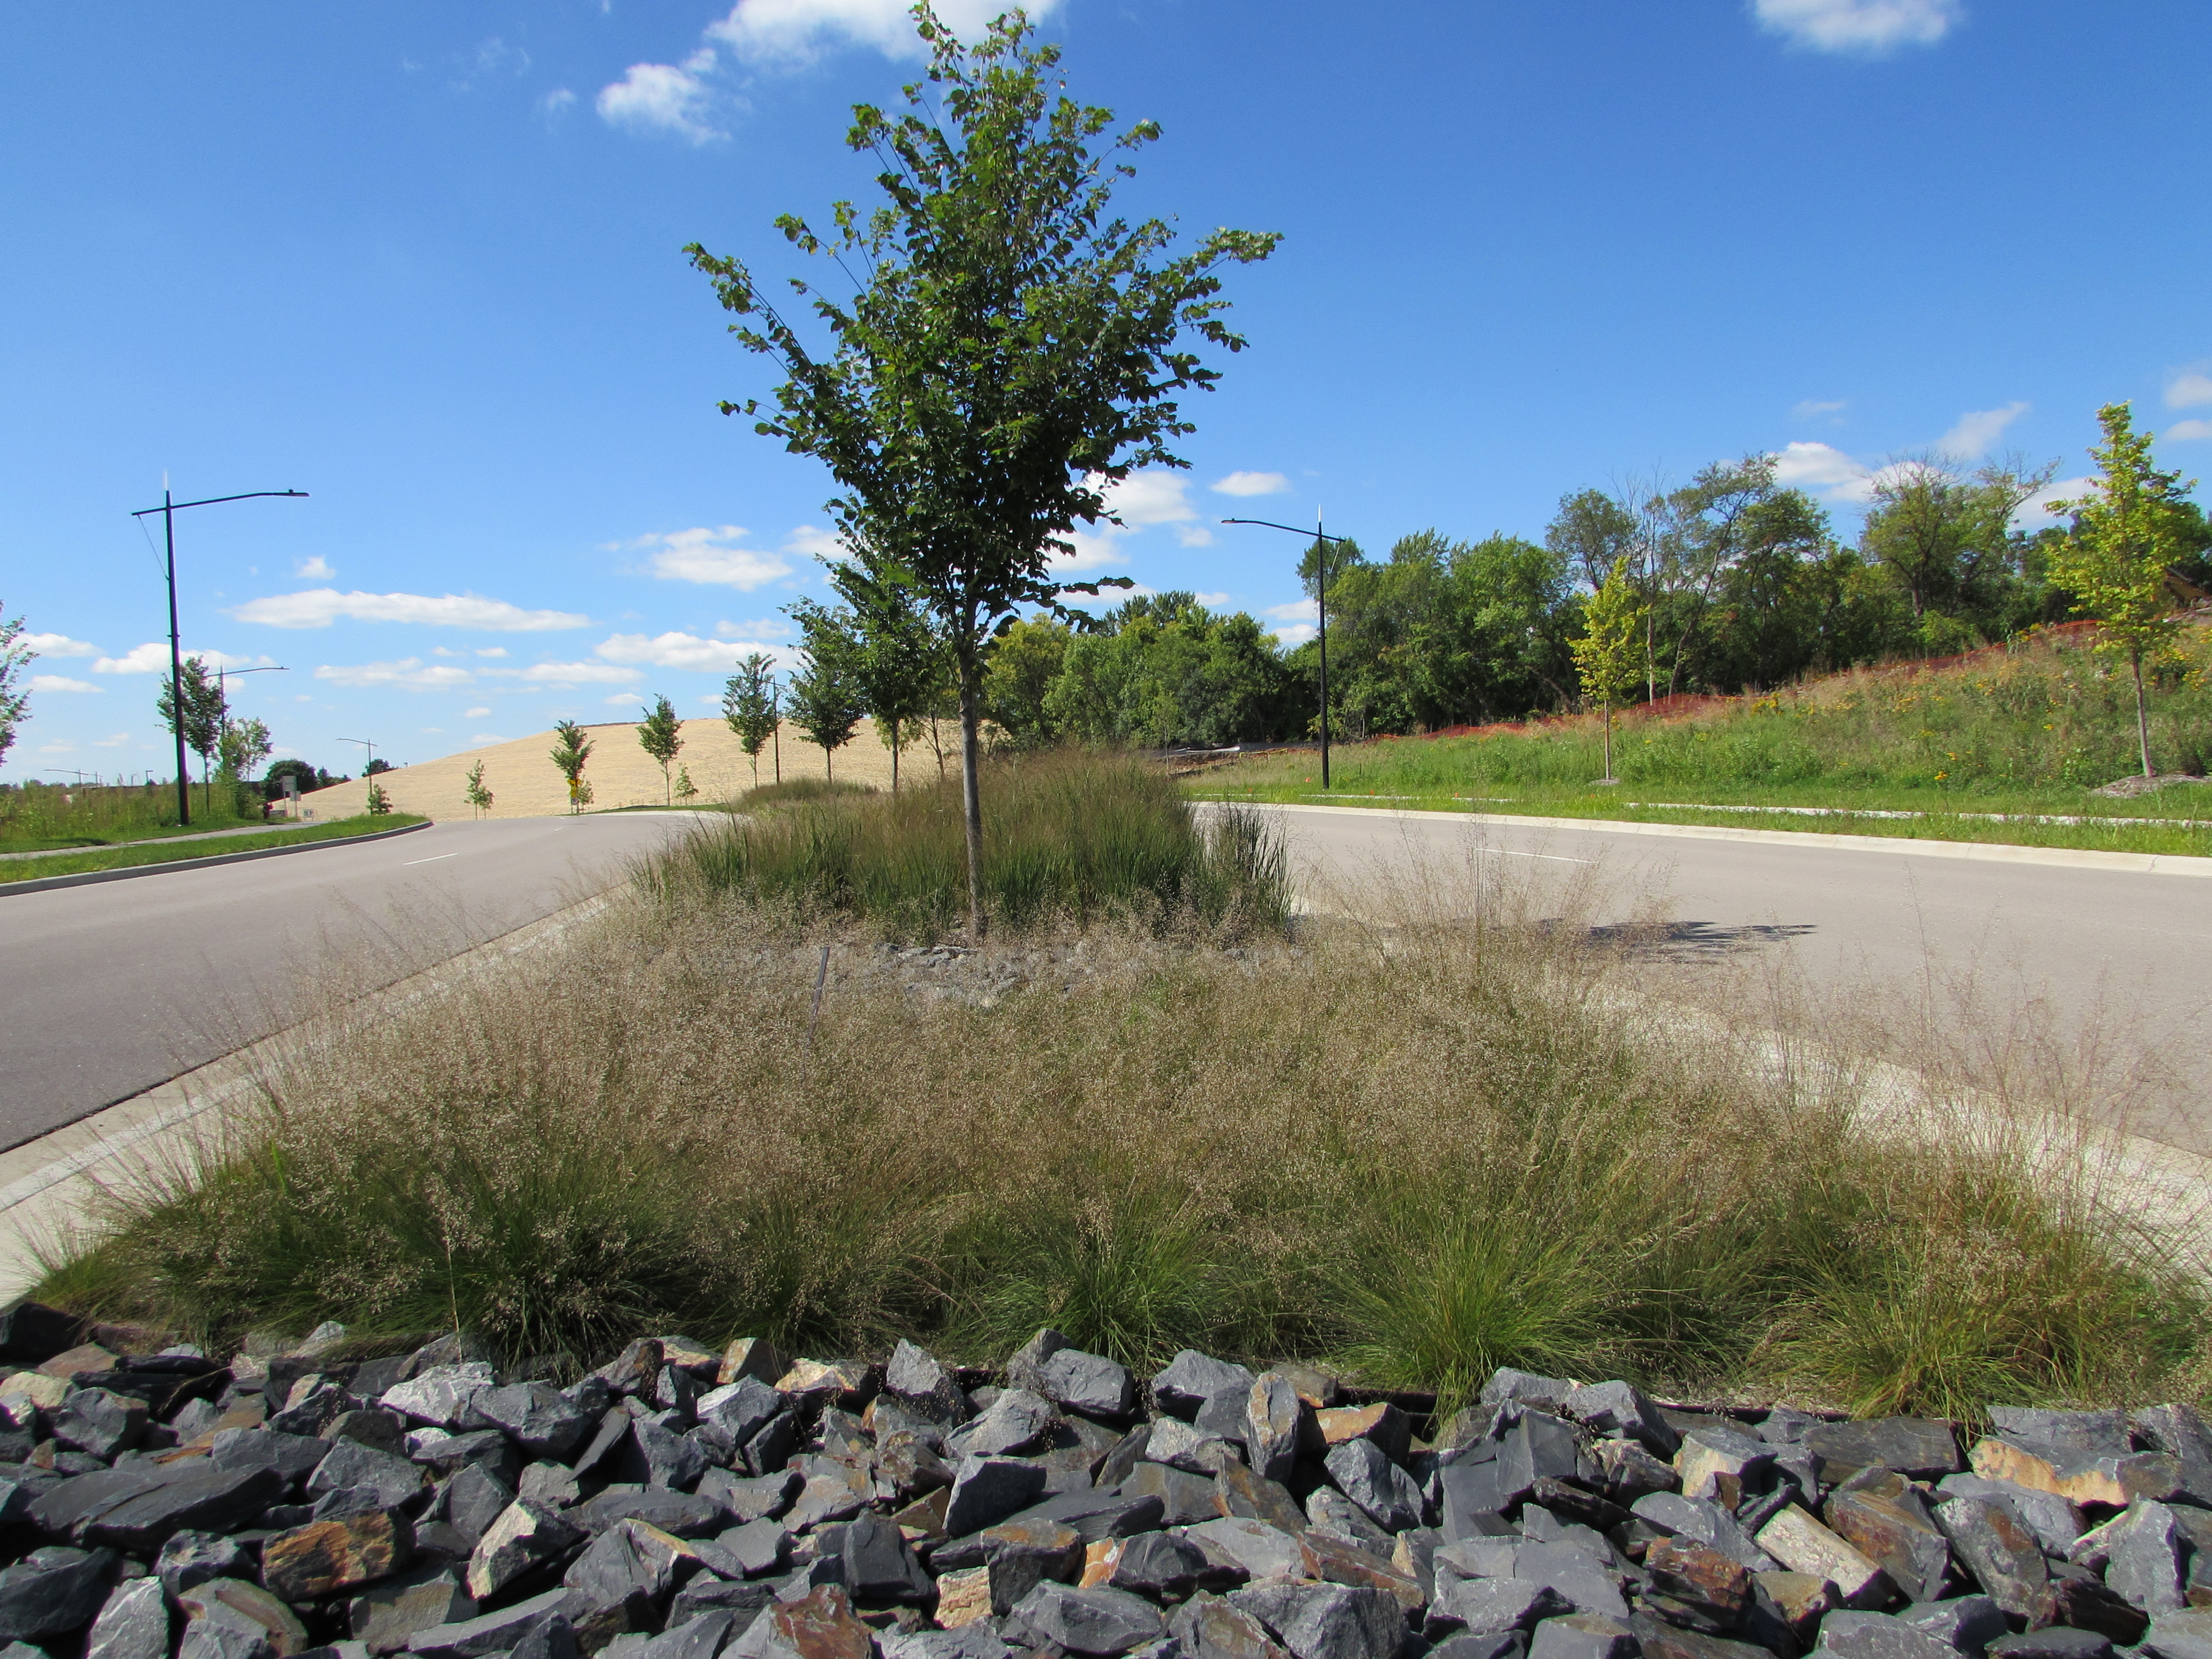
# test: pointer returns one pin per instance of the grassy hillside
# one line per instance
(2029, 729)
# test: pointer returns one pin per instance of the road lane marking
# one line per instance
(442, 855)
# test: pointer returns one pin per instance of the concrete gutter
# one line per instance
(49, 1187)
(2160, 864)
(85, 879)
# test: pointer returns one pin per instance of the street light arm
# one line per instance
(250, 495)
(1265, 524)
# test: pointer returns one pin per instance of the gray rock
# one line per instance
(1278, 1426)
(1486, 1607)
(1993, 1545)
(551, 1638)
(2180, 1636)
(2086, 1434)
(834, 1491)
(292, 1455)
(133, 1623)
(1095, 1515)
(1208, 1627)
(540, 1419)
(1191, 1378)
(977, 1640)
(1026, 1368)
(1184, 1498)
(1017, 1421)
(1966, 1623)
(549, 1483)
(190, 1559)
(1159, 1564)
(1880, 1514)
(1098, 1621)
(371, 1427)
(100, 1423)
(2143, 1555)
(441, 1394)
(732, 1416)
(1327, 1621)
(489, 1632)
(1329, 1511)
(671, 1460)
(1576, 1572)
(1506, 1385)
(755, 1549)
(394, 1480)
(1851, 1635)
(2059, 1642)
(1089, 1383)
(621, 1581)
(987, 1490)
(1221, 1416)
(1536, 1446)
(703, 1594)
(921, 1382)
(750, 1497)
(1920, 1447)
(524, 1537)
(1249, 1547)
(1472, 1505)
(246, 1610)
(471, 1501)
(2177, 1429)
(1379, 1487)
(879, 1567)
(205, 1641)
(313, 1402)
(1506, 1644)
(1623, 1411)
(2054, 1520)
(1628, 1471)
(700, 1637)
(1706, 1522)
(385, 1617)
(1583, 1636)
(682, 1515)
(1171, 1441)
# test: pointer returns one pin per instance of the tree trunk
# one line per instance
(2142, 715)
(971, 799)
(829, 772)
(1608, 739)
(895, 727)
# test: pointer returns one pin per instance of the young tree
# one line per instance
(575, 749)
(661, 735)
(479, 797)
(14, 702)
(749, 704)
(2129, 527)
(243, 746)
(378, 802)
(896, 661)
(1608, 654)
(1012, 353)
(825, 694)
(686, 789)
(204, 713)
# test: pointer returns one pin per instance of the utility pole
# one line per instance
(168, 509)
(366, 744)
(1321, 600)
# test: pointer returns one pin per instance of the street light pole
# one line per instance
(1321, 603)
(168, 510)
(366, 744)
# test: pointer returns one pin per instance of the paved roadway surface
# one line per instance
(109, 989)
(2045, 953)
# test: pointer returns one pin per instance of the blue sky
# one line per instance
(423, 261)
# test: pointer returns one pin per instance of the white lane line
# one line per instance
(442, 855)
(1504, 852)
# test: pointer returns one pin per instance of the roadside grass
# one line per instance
(2029, 731)
(35, 818)
(133, 855)
(1418, 1147)
(795, 791)
(1067, 836)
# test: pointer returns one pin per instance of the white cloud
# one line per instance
(1211, 601)
(796, 31)
(1812, 408)
(491, 651)
(115, 742)
(555, 103)
(1293, 633)
(1869, 27)
(814, 542)
(1193, 535)
(60, 682)
(2182, 431)
(623, 700)
(57, 749)
(1252, 484)
(2189, 387)
(476, 713)
(568, 673)
(1093, 548)
(407, 674)
(1152, 497)
(488, 737)
(763, 631)
(707, 555)
(1976, 433)
(56, 645)
(2037, 507)
(668, 98)
(1298, 610)
(318, 607)
(316, 569)
(153, 658)
(671, 650)
(1823, 467)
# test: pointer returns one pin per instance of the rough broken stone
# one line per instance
(1366, 1476)
(471, 1501)
(487, 1632)
(681, 1514)
(246, 1610)
(439, 1396)
(1797, 1600)
(1191, 1379)
(1382, 1423)
(1176, 1444)
(292, 1455)
(1251, 1546)
(314, 1560)
(818, 1625)
(673, 1461)
(1576, 1572)
(1208, 1628)
(1239, 1491)
(1690, 1571)
(879, 1567)
(1339, 1561)
(2057, 1641)
(1851, 1635)
(619, 1582)
(1023, 1552)
(2144, 1556)
(1474, 1505)
(538, 1418)
(2055, 1521)
(1502, 1645)
(394, 1480)
(2093, 1434)
(1017, 1421)
(1088, 1383)
(1158, 1565)
(1966, 1623)
(385, 1616)
(133, 1623)
(1803, 1545)
(525, 1535)
(1276, 1425)
(1881, 1515)
(1537, 1445)
(987, 1490)
(2115, 1482)
(1485, 1607)
(1098, 1621)
(1993, 1545)
(2180, 1636)
(963, 1598)
(1919, 1447)
(100, 1422)
(1719, 1463)
(1583, 1636)
(2177, 1429)
(1507, 1385)
(1184, 1498)
(1329, 1511)
(920, 1381)
(753, 1357)
(1622, 1410)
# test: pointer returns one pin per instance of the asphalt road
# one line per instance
(110, 989)
(2046, 965)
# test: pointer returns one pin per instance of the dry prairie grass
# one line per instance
(1423, 1144)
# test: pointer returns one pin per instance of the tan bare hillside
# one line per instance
(525, 783)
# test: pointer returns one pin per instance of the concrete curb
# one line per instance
(2158, 864)
(85, 879)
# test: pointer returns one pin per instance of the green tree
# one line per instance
(1025, 662)
(479, 796)
(378, 802)
(204, 713)
(272, 784)
(895, 661)
(825, 694)
(686, 789)
(660, 734)
(1609, 654)
(1945, 535)
(15, 701)
(2128, 531)
(749, 705)
(241, 748)
(575, 749)
(1013, 352)
(1591, 533)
